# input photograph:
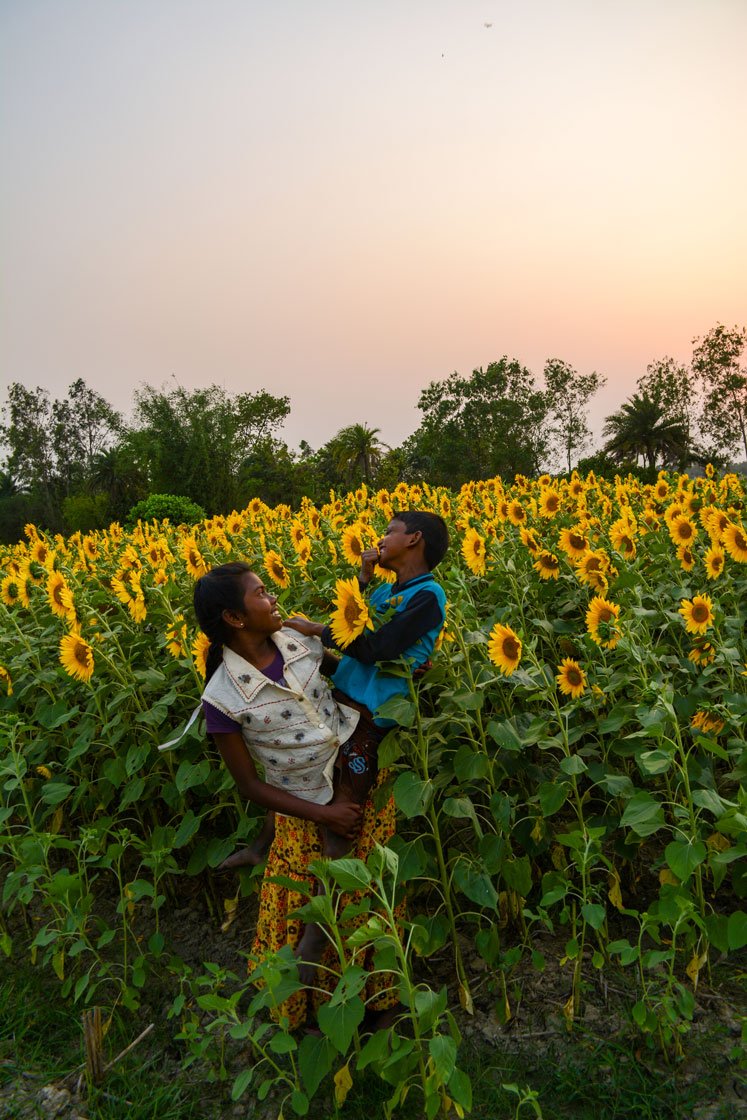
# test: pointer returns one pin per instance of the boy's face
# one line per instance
(396, 542)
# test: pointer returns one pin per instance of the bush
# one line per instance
(160, 507)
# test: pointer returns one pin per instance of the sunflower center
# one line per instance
(511, 648)
(700, 612)
(740, 540)
(574, 678)
(80, 653)
(577, 541)
(351, 612)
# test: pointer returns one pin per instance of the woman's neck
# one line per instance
(258, 649)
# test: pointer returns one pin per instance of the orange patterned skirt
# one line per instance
(297, 843)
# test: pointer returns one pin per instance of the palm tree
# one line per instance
(642, 429)
(357, 449)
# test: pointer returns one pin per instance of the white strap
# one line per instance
(172, 742)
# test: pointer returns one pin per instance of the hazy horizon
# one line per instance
(341, 204)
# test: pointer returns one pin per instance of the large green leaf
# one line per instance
(683, 857)
(340, 1021)
(412, 794)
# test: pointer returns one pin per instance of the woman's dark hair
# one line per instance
(221, 589)
(433, 528)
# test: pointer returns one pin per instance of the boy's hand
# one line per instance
(303, 626)
(369, 560)
(342, 817)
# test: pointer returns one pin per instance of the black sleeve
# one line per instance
(421, 614)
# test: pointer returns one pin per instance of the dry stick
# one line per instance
(92, 1036)
(127, 1049)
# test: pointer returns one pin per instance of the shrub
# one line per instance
(159, 507)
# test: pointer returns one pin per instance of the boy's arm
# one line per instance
(421, 614)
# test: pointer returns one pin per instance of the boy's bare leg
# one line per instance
(257, 851)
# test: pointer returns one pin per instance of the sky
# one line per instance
(343, 201)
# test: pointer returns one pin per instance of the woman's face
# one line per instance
(260, 614)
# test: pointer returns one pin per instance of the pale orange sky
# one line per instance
(341, 202)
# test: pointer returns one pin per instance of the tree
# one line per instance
(568, 395)
(641, 429)
(358, 452)
(489, 423)
(53, 443)
(195, 443)
(716, 361)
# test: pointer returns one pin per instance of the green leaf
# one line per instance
(517, 874)
(349, 874)
(191, 774)
(573, 765)
(470, 764)
(643, 814)
(552, 796)
(412, 794)
(462, 807)
(375, 1049)
(339, 1022)
(400, 709)
(594, 914)
(460, 1089)
(654, 762)
(505, 735)
(53, 793)
(443, 1051)
(190, 824)
(683, 857)
(315, 1057)
(299, 1102)
(475, 883)
(737, 930)
(241, 1083)
(429, 933)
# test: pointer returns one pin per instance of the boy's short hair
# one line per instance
(434, 531)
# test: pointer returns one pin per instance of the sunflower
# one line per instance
(76, 657)
(303, 551)
(473, 551)
(193, 558)
(176, 637)
(200, 649)
(706, 723)
(592, 569)
(529, 540)
(697, 613)
(574, 542)
(504, 648)
(14, 589)
(297, 533)
(350, 617)
(735, 542)
(714, 561)
(516, 513)
(601, 622)
(622, 536)
(682, 530)
(234, 523)
(444, 505)
(5, 680)
(661, 489)
(353, 543)
(39, 552)
(59, 596)
(686, 557)
(546, 565)
(702, 653)
(571, 678)
(275, 568)
(549, 502)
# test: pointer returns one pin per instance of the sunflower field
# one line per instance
(574, 760)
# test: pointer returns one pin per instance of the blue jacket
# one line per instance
(369, 684)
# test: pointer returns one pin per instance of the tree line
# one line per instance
(75, 464)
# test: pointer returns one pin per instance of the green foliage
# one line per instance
(159, 507)
(82, 512)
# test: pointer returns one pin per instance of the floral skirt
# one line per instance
(297, 843)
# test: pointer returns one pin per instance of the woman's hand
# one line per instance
(304, 626)
(343, 817)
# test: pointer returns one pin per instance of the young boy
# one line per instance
(413, 544)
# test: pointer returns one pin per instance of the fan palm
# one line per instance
(642, 429)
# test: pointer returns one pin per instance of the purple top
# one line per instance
(217, 723)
